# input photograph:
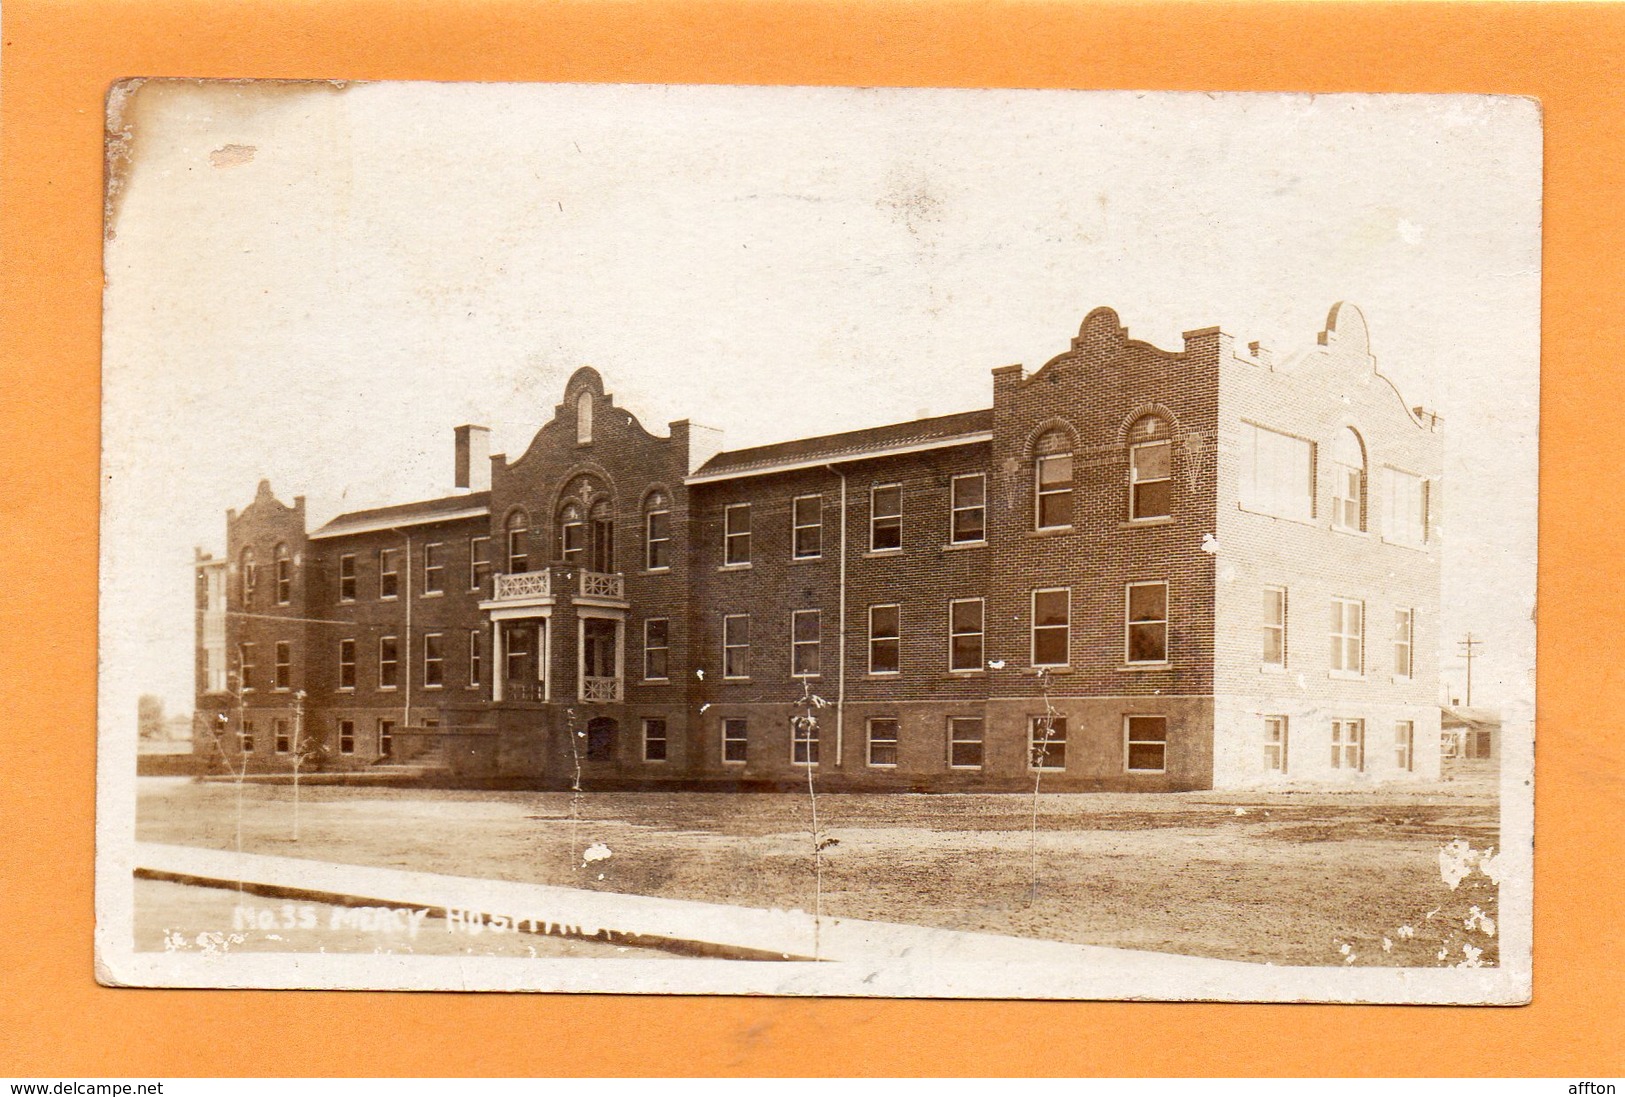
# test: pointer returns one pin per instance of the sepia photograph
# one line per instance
(819, 541)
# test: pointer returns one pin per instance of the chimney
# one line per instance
(473, 471)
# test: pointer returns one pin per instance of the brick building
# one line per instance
(1139, 569)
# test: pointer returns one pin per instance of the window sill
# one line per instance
(1145, 772)
(1046, 769)
(967, 769)
(1059, 668)
(1293, 518)
(1345, 676)
(955, 546)
(426, 685)
(1350, 531)
(346, 689)
(656, 681)
(432, 594)
(1272, 668)
(735, 567)
(1146, 523)
(1131, 668)
(736, 678)
(882, 765)
(388, 689)
(977, 672)
(807, 559)
(1050, 531)
(872, 553)
(733, 762)
(884, 673)
(1414, 546)
(656, 571)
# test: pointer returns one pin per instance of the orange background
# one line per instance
(59, 58)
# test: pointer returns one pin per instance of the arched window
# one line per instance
(601, 526)
(584, 418)
(1052, 480)
(1150, 468)
(572, 533)
(518, 543)
(1348, 481)
(657, 531)
(284, 575)
(247, 576)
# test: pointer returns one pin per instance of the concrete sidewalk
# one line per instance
(478, 906)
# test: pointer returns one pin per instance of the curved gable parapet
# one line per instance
(606, 416)
(267, 507)
(1101, 336)
(1345, 343)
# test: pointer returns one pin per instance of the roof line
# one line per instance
(339, 528)
(970, 439)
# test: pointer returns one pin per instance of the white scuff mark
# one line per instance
(995, 664)
(1489, 863)
(273, 936)
(1405, 933)
(1456, 860)
(600, 875)
(1210, 544)
(1241, 811)
(1472, 955)
(596, 852)
(1346, 948)
(1302, 682)
(704, 707)
(1444, 953)
(699, 672)
(1387, 945)
(1477, 919)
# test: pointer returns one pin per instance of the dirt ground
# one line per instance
(1312, 877)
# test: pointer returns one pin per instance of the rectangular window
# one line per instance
(1151, 483)
(346, 736)
(572, 542)
(1146, 740)
(516, 641)
(885, 517)
(1348, 636)
(389, 660)
(245, 666)
(284, 580)
(807, 526)
(965, 634)
(476, 659)
(386, 738)
(736, 534)
(1146, 628)
(806, 626)
(654, 740)
(1404, 507)
(736, 646)
(245, 737)
(389, 572)
(434, 569)
(1348, 744)
(479, 562)
(347, 578)
(283, 742)
(885, 639)
(1278, 473)
(803, 741)
(657, 540)
(883, 742)
(967, 519)
(1053, 483)
(284, 664)
(347, 664)
(519, 543)
(1046, 742)
(1274, 653)
(1405, 744)
(1404, 650)
(434, 660)
(1052, 627)
(734, 741)
(1275, 744)
(965, 738)
(656, 649)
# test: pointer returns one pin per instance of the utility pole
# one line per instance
(1467, 647)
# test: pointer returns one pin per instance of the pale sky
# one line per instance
(316, 284)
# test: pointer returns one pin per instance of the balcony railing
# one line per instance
(601, 690)
(515, 690)
(526, 584)
(602, 584)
